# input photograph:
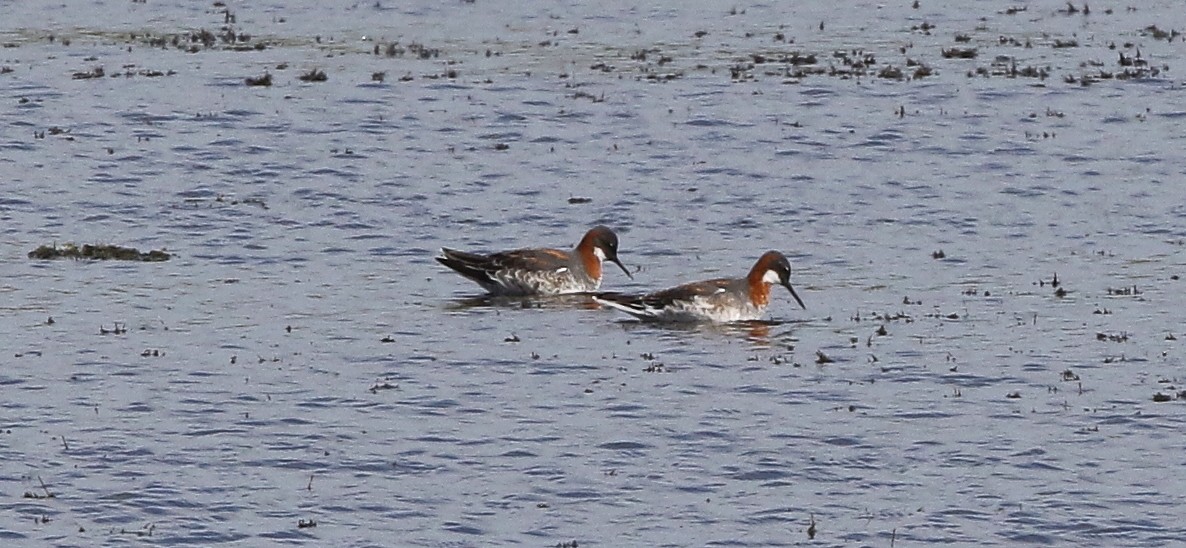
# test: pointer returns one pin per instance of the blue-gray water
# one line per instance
(302, 359)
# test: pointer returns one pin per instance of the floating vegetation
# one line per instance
(116, 329)
(149, 73)
(589, 96)
(1159, 34)
(392, 50)
(221, 199)
(44, 487)
(891, 72)
(897, 316)
(423, 52)
(451, 73)
(1113, 337)
(265, 80)
(315, 75)
(960, 53)
(382, 385)
(97, 252)
(649, 64)
(145, 531)
(96, 72)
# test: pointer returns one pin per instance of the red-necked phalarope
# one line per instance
(721, 300)
(524, 272)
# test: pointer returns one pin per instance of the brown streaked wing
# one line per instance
(686, 292)
(531, 259)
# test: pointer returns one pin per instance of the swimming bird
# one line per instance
(721, 300)
(530, 272)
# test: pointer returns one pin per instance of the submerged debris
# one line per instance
(97, 252)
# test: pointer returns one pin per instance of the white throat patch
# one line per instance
(599, 253)
(771, 277)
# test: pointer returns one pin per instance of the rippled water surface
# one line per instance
(302, 371)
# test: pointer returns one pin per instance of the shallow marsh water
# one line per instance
(303, 360)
